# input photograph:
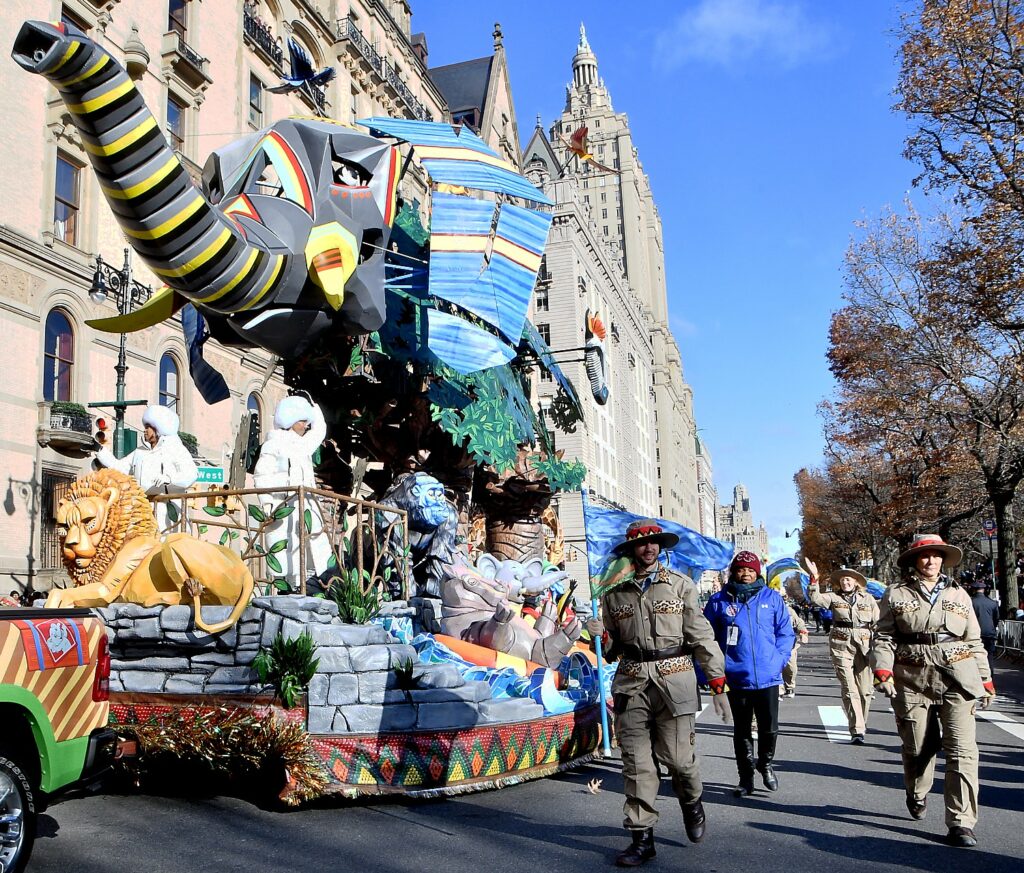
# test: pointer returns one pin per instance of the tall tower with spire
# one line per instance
(624, 210)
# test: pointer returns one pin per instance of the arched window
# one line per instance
(170, 388)
(58, 356)
(255, 408)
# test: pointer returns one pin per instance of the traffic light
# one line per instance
(102, 432)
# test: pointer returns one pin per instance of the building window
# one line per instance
(176, 123)
(354, 104)
(53, 489)
(604, 197)
(66, 200)
(58, 357)
(255, 101)
(177, 18)
(170, 386)
(545, 332)
(604, 212)
(69, 17)
(541, 299)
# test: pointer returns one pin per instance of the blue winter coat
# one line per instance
(764, 642)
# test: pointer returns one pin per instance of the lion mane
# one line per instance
(130, 516)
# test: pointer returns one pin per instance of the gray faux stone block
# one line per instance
(289, 605)
(147, 629)
(398, 717)
(472, 692)
(340, 634)
(176, 618)
(271, 628)
(240, 675)
(333, 659)
(167, 665)
(134, 610)
(316, 694)
(202, 640)
(438, 716)
(221, 659)
(378, 635)
(362, 719)
(402, 654)
(116, 684)
(371, 686)
(507, 711)
(340, 724)
(292, 628)
(228, 688)
(367, 658)
(186, 685)
(398, 608)
(347, 688)
(320, 720)
(140, 681)
(438, 676)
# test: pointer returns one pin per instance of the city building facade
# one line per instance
(707, 494)
(736, 525)
(204, 69)
(627, 219)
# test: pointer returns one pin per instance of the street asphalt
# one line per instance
(839, 808)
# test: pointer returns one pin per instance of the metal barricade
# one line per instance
(1010, 638)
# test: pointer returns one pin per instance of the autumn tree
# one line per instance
(911, 361)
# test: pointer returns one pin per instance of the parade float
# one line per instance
(399, 622)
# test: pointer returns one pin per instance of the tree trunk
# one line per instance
(1006, 553)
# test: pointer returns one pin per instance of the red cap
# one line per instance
(746, 559)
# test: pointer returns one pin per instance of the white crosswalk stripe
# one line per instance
(1003, 721)
(837, 728)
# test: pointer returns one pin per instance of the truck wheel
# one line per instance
(17, 815)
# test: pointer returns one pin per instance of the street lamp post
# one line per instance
(127, 294)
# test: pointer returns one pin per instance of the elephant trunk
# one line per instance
(197, 250)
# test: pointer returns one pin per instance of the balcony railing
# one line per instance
(262, 37)
(189, 64)
(62, 428)
(347, 30)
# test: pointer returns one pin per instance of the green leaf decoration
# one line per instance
(281, 584)
(172, 512)
(274, 564)
(235, 534)
(225, 538)
(257, 513)
(332, 562)
(279, 546)
(307, 519)
(215, 511)
(284, 511)
(203, 528)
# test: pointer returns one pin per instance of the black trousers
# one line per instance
(762, 703)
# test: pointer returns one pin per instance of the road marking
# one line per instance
(837, 727)
(1001, 720)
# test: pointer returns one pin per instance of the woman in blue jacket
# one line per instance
(753, 629)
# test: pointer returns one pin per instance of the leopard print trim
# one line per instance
(669, 607)
(958, 652)
(623, 610)
(841, 634)
(668, 666)
(903, 607)
(629, 668)
(909, 657)
(957, 608)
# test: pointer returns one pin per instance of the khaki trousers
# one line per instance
(649, 733)
(789, 673)
(855, 683)
(918, 720)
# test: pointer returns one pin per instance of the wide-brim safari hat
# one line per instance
(836, 575)
(647, 530)
(951, 555)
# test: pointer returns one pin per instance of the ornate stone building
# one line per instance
(736, 525)
(626, 216)
(204, 68)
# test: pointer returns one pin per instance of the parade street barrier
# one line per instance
(1010, 638)
(272, 530)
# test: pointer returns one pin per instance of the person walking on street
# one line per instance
(653, 624)
(754, 629)
(986, 610)
(849, 642)
(788, 688)
(928, 657)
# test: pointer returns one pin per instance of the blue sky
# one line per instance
(767, 131)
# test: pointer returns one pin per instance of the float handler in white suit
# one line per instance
(286, 459)
(161, 464)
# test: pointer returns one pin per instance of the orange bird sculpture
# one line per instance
(577, 145)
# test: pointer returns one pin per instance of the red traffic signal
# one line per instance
(101, 430)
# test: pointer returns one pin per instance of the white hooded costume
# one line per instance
(166, 468)
(286, 460)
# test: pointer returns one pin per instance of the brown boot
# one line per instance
(640, 851)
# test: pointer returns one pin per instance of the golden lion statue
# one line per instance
(113, 554)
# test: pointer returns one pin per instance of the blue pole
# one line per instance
(605, 738)
(606, 741)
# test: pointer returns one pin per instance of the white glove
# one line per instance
(722, 708)
(888, 688)
(595, 627)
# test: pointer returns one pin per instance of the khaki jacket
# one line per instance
(844, 642)
(799, 625)
(665, 615)
(958, 660)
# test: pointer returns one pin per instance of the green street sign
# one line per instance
(211, 475)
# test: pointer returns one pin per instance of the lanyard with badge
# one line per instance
(732, 632)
